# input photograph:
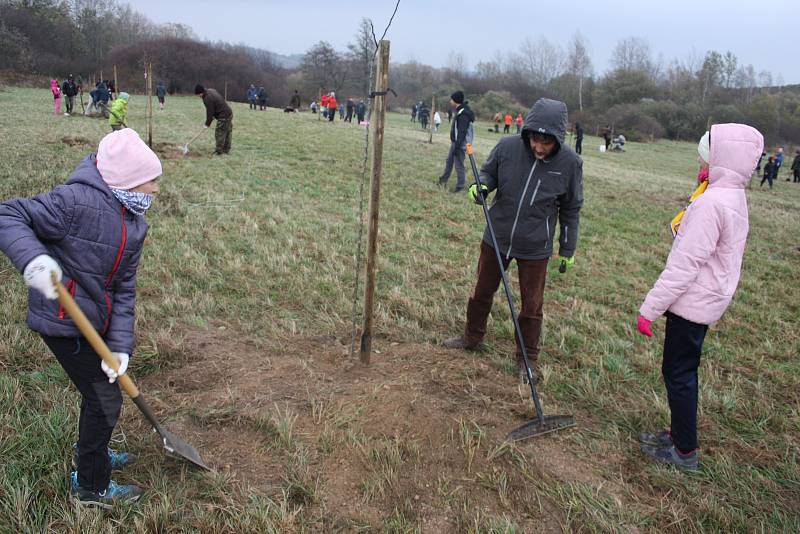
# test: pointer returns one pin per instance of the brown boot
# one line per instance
(523, 374)
(461, 342)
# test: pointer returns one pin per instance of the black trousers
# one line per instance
(796, 176)
(101, 404)
(578, 145)
(683, 343)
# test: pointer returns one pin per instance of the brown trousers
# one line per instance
(532, 275)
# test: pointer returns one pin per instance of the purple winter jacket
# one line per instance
(97, 243)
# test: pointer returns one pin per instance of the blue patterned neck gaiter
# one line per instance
(137, 203)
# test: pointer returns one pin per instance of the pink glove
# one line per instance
(644, 326)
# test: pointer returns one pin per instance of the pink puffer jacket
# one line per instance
(703, 268)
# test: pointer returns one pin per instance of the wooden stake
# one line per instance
(149, 84)
(116, 84)
(226, 90)
(376, 126)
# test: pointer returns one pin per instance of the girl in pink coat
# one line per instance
(56, 90)
(699, 281)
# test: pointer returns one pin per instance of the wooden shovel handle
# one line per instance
(91, 335)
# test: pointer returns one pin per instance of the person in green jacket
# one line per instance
(119, 112)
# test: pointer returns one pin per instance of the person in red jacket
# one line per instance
(324, 103)
(519, 121)
(332, 106)
(507, 120)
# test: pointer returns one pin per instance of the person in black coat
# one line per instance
(769, 172)
(578, 137)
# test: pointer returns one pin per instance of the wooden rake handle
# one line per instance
(91, 335)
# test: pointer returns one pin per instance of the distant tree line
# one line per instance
(642, 96)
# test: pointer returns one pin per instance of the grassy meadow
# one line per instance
(254, 253)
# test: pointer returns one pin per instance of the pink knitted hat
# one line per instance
(125, 161)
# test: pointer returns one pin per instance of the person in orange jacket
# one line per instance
(507, 120)
(519, 120)
(332, 106)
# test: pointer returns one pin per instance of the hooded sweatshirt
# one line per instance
(460, 129)
(704, 265)
(97, 243)
(533, 196)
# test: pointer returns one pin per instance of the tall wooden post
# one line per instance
(116, 84)
(430, 122)
(376, 163)
(226, 90)
(149, 88)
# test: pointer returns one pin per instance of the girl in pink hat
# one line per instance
(699, 281)
(56, 90)
(90, 232)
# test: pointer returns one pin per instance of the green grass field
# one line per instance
(244, 321)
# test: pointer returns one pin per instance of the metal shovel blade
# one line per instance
(178, 448)
(537, 427)
(185, 149)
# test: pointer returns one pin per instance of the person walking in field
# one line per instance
(414, 113)
(769, 172)
(796, 166)
(361, 110)
(252, 97)
(350, 108)
(294, 103)
(217, 108)
(56, 90)
(70, 90)
(118, 113)
(507, 121)
(324, 105)
(538, 184)
(607, 136)
(519, 121)
(498, 118)
(778, 162)
(437, 121)
(578, 138)
(698, 283)
(332, 105)
(341, 111)
(161, 94)
(461, 133)
(262, 98)
(90, 233)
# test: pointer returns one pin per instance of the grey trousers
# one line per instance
(455, 157)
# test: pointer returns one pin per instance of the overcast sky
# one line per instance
(765, 33)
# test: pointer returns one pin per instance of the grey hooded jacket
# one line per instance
(532, 196)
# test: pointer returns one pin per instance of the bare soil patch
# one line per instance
(419, 432)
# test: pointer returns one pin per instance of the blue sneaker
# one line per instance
(670, 455)
(660, 439)
(113, 494)
(118, 459)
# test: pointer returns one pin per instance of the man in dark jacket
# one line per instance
(161, 94)
(217, 108)
(578, 138)
(294, 103)
(538, 181)
(70, 91)
(460, 135)
(796, 166)
(350, 108)
(361, 110)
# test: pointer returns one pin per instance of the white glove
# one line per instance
(112, 375)
(205, 126)
(37, 275)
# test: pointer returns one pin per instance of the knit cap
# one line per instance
(704, 147)
(124, 96)
(458, 97)
(125, 161)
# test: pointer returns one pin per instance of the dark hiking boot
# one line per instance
(117, 459)
(461, 342)
(670, 455)
(114, 494)
(442, 182)
(656, 439)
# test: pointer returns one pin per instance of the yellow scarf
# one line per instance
(676, 221)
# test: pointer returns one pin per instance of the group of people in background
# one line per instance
(328, 107)
(257, 97)
(773, 166)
